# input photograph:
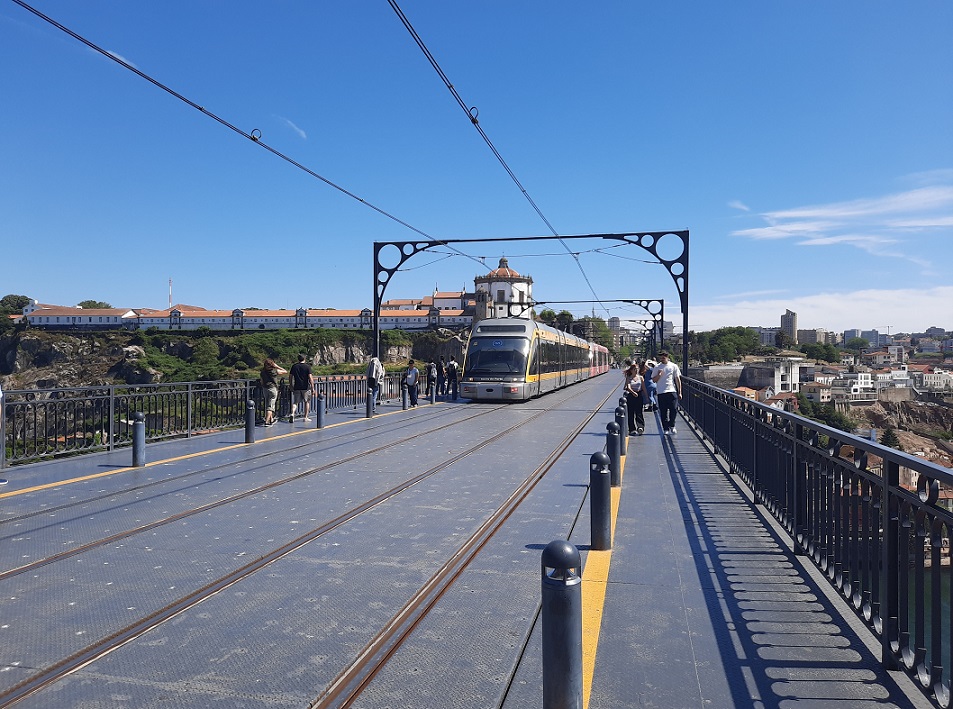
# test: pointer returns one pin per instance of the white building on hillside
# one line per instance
(500, 289)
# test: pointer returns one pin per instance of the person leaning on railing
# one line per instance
(269, 384)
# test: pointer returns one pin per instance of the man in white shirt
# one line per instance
(668, 377)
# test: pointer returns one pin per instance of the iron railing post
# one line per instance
(112, 416)
(188, 395)
(890, 567)
(3, 433)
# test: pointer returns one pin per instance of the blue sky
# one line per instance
(807, 147)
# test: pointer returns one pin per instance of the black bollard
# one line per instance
(433, 393)
(250, 422)
(600, 502)
(319, 410)
(138, 440)
(403, 395)
(369, 406)
(612, 450)
(562, 626)
(620, 418)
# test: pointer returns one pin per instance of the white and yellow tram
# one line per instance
(511, 359)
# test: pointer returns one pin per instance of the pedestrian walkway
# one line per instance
(707, 605)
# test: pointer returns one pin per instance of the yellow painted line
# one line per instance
(166, 461)
(594, 585)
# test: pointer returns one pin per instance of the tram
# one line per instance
(512, 359)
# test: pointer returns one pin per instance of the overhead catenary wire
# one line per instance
(472, 113)
(254, 135)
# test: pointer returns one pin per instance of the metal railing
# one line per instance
(883, 545)
(41, 424)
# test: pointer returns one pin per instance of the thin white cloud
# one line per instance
(942, 176)
(749, 294)
(861, 241)
(737, 204)
(301, 133)
(921, 199)
(787, 231)
(871, 225)
(122, 59)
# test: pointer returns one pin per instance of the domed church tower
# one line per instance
(501, 288)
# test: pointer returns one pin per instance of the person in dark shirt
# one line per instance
(452, 368)
(302, 383)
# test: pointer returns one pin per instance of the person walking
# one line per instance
(452, 377)
(412, 379)
(302, 384)
(375, 377)
(668, 377)
(442, 377)
(431, 377)
(651, 388)
(635, 399)
(270, 372)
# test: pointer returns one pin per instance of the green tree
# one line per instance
(890, 438)
(805, 406)
(601, 333)
(724, 345)
(547, 315)
(564, 320)
(856, 344)
(829, 415)
(14, 303)
(93, 304)
(11, 305)
(783, 341)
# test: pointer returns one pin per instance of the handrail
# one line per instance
(39, 424)
(874, 520)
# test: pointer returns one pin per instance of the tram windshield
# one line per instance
(496, 356)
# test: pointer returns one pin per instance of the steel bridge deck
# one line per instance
(705, 604)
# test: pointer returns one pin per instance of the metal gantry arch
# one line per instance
(670, 248)
(654, 333)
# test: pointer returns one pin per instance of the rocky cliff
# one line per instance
(37, 359)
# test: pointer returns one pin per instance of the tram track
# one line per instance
(191, 512)
(205, 471)
(384, 644)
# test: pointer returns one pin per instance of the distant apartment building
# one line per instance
(767, 336)
(851, 334)
(853, 387)
(872, 336)
(782, 374)
(937, 380)
(816, 392)
(789, 325)
(817, 336)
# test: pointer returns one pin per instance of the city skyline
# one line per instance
(807, 149)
